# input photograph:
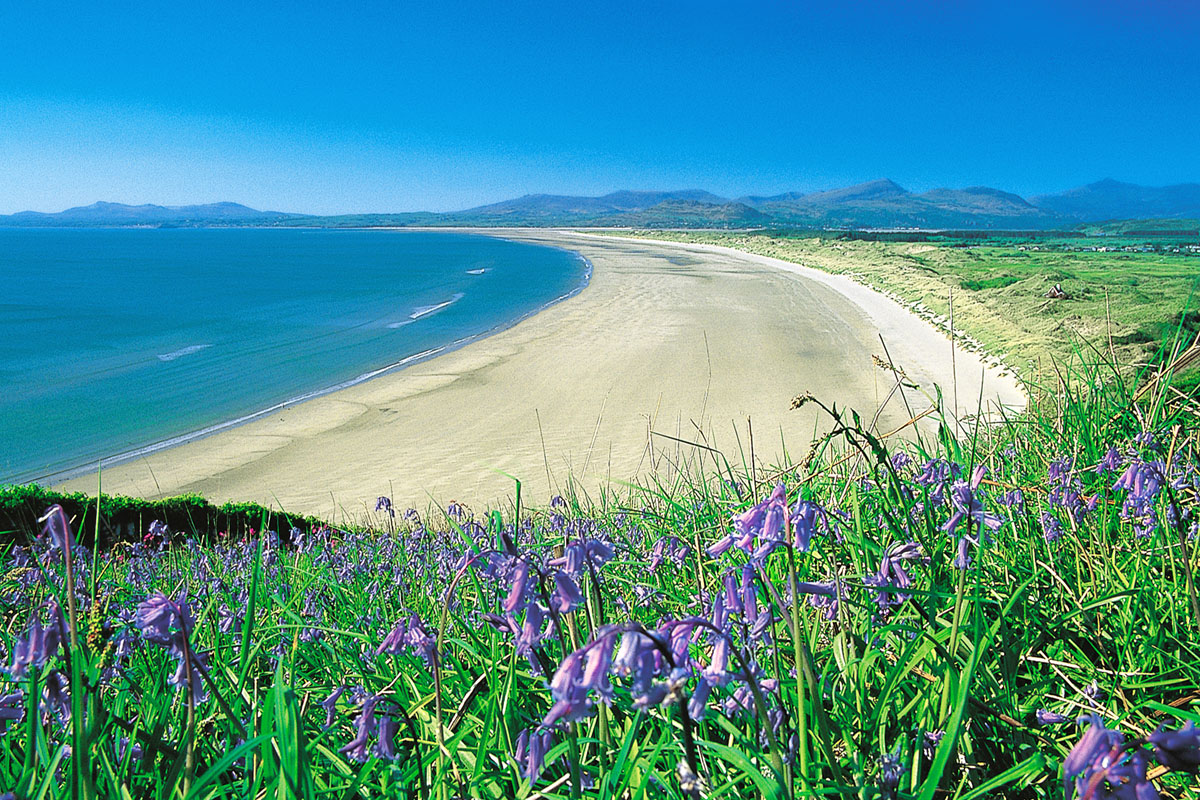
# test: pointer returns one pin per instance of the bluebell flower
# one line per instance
(1052, 529)
(891, 772)
(935, 475)
(385, 745)
(1110, 462)
(357, 748)
(1178, 750)
(806, 517)
(330, 705)
(57, 528)
(566, 596)
(12, 709)
(531, 750)
(1045, 717)
(1014, 499)
(1097, 744)
(967, 503)
(519, 588)
(929, 743)
(39, 646)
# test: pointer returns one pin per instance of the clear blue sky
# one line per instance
(341, 106)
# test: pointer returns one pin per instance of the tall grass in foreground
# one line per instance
(1012, 611)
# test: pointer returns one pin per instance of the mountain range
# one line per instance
(118, 214)
(877, 204)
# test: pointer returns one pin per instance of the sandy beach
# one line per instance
(668, 340)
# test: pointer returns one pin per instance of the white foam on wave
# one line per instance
(424, 311)
(479, 271)
(183, 351)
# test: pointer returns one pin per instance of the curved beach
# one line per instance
(669, 340)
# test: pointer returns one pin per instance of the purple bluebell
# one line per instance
(158, 531)
(1014, 499)
(1143, 480)
(598, 663)
(717, 672)
(731, 593)
(824, 595)
(1045, 717)
(357, 748)
(1148, 440)
(1110, 462)
(384, 504)
(1117, 777)
(893, 575)
(929, 743)
(39, 646)
(566, 596)
(531, 750)
(749, 594)
(12, 709)
(698, 702)
(762, 522)
(188, 675)
(57, 528)
(806, 516)
(935, 476)
(1095, 746)
(56, 695)
(965, 498)
(962, 554)
(1179, 749)
(519, 587)
(531, 631)
(410, 634)
(891, 772)
(1052, 529)
(330, 705)
(385, 745)
(900, 460)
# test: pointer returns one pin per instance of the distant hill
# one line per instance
(118, 214)
(537, 209)
(886, 204)
(872, 205)
(1112, 200)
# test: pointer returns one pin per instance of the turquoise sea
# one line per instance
(115, 340)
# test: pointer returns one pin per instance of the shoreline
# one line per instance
(62, 476)
(671, 339)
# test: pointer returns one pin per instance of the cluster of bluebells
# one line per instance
(968, 512)
(550, 592)
(169, 624)
(1103, 765)
(772, 524)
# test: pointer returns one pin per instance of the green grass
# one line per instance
(972, 654)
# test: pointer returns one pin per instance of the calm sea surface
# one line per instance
(115, 340)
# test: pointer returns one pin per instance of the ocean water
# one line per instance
(116, 340)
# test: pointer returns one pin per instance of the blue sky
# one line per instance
(342, 107)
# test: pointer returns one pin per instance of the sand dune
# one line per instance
(671, 339)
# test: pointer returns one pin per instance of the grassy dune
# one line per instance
(1121, 306)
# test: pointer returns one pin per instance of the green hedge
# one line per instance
(127, 518)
